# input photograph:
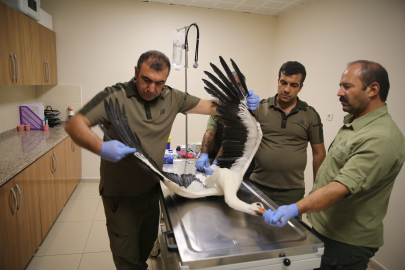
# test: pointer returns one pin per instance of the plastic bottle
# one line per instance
(197, 147)
(168, 160)
(192, 147)
(168, 143)
(71, 113)
(178, 39)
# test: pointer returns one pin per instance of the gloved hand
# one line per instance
(252, 100)
(114, 151)
(209, 170)
(285, 213)
(202, 161)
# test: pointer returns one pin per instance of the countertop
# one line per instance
(21, 149)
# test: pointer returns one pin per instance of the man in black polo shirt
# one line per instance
(288, 124)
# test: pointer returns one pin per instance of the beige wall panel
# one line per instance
(9, 118)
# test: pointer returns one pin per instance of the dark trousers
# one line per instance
(343, 256)
(132, 225)
(282, 196)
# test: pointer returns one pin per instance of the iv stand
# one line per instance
(185, 47)
(185, 70)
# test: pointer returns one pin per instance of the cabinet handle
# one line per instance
(18, 68)
(56, 158)
(74, 147)
(15, 200)
(19, 190)
(53, 164)
(45, 71)
(49, 71)
(12, 58)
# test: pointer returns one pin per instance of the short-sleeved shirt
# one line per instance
(150, 120)
(366, 156)
(212, 124)
(282, 155)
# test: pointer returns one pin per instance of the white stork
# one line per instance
(242, 135)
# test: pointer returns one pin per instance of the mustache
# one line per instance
(343, 99)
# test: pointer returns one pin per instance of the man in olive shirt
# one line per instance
(129, 188)
(288, 124)
(353, 186)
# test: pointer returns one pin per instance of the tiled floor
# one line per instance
(78, 240)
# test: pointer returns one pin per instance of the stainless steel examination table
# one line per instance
(207, 234)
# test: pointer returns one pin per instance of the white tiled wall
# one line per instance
(60, 97)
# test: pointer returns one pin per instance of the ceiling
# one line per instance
(264, 7)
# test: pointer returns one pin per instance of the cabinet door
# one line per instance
(78, 162)
(47, 192)
(26, 185)
(43, 54)
(14, 40)
(70, 163)
(51, 40)
(39, 54)
(60, 176)
(8, 227)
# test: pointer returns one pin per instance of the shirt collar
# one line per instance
(365, 119)
(132, 91)
(301, 105)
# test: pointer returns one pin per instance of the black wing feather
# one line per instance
(232, 78)
(230, 92)
(235, 132)
(240, 76)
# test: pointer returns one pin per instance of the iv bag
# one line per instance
(178, 41)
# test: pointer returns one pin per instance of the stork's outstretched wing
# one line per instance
(242, 135)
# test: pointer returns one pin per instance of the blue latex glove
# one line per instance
(310, 193)
(285, 213)
(202, 161)
(114, 151)
(252, 100)
(209, 171)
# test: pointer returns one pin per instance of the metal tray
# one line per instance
(209, 232)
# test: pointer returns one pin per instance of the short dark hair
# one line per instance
(373, 72)
(293, 68)
(159, 61)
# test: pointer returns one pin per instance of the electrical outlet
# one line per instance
(330, 116)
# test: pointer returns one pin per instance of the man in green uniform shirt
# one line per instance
(288, 124)
(354, 183)
(129, 189)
